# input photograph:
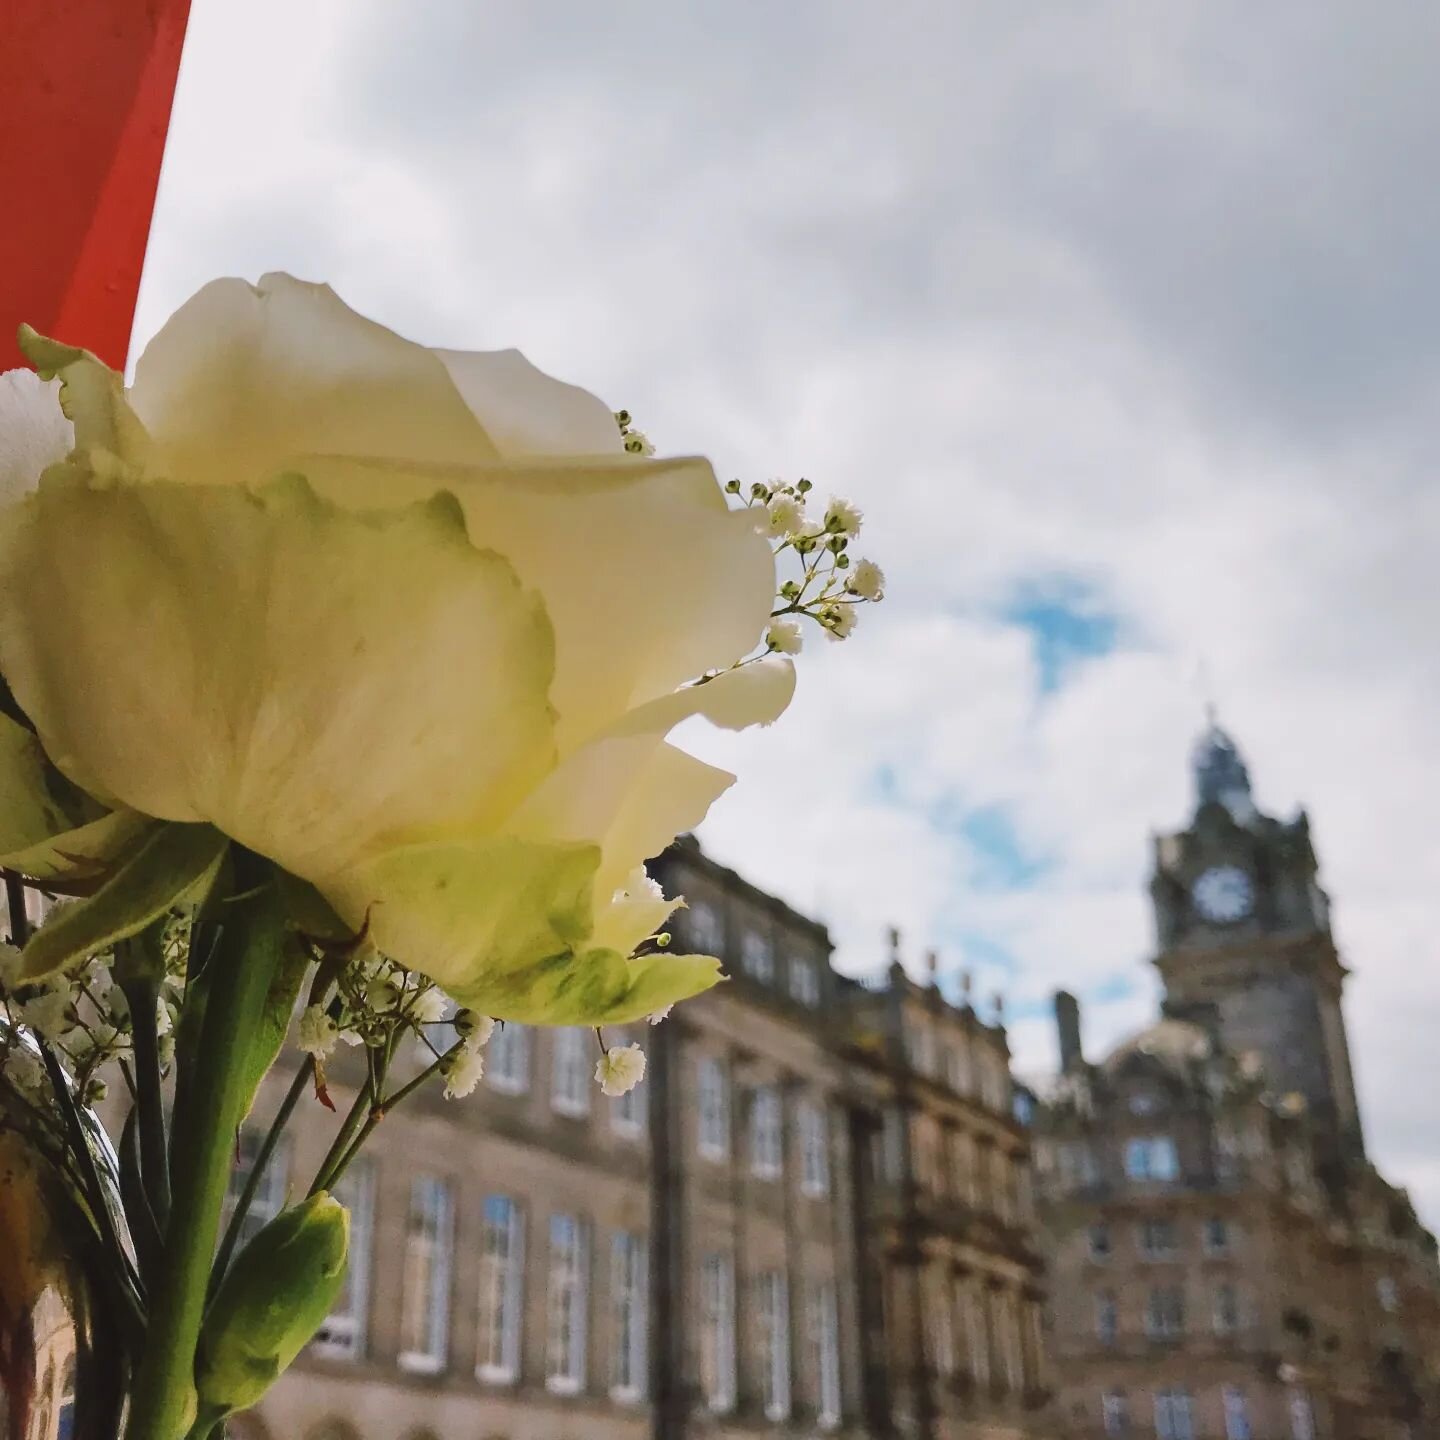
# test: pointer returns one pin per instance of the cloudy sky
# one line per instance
(1120, 321)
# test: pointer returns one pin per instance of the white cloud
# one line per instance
(1139, 297)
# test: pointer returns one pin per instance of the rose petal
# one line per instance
(650, 580)
(316, 684)
(34, 432)
(528, 413)
(491, 918)
(284, 368)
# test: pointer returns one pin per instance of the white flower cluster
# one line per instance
(83, 1018)
(831, 584)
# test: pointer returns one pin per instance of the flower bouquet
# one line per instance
(336, 681)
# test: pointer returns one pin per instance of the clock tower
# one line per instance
(1243, 930)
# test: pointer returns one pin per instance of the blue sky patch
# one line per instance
(1067, 625)
(1004, 863)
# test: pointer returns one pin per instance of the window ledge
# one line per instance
(416, 1363)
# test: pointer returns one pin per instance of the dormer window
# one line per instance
(1151, 1157)
(757, 956)
(706, 928)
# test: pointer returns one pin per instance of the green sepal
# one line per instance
(174, 862)
(309, 911)
(271, 1028)
(272, 1301)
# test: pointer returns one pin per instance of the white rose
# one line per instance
(410, 623)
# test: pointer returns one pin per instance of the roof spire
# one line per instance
(1220, 773)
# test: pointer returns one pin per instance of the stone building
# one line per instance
(731, 1251)
(1224, 1260)
(950, 1261)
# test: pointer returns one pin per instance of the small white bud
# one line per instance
(429, 1006)
(463, 1071)
(474, 1029)
(785, 636)
(868, 581)
(620, 1069)
(843, 518)
(786, 515)
(48, 1013)
(24, 1070)
(318, 1032)
(382, 995)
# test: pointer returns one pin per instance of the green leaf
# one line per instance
(171, 863)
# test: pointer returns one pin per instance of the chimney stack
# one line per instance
(1067, 1022)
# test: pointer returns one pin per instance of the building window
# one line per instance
(757, 956)
(1237, 1413)
(713, 1125)
(1157, 1239)
(627, 1111)
(1302, 1416)
(502, 1290)
(705, 927)
(568, 1304)
(977, 1336)
(269, 1198)
(772, 1307)
(342, 1336)
(1217, 1236)
(507, 1059)
(1165, 1313)
(1151, 1157)
(804, 980)
(627, 1290)
(425, 1279)
(1115, 1412)
(814, 1149)
(825, 1350)
(1106, 1317)
(765, 1133)
(958, 1072)
(717, 1331)
(1388, 1294)
(940, 1330)
(570, 1072)
(891, 1141)
(962, 1166)
(1076, 1163)
(1173, 1419)
(920, 1049)
(1099, 1241)
(1227, 1310)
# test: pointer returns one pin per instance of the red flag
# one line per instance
(85, 94)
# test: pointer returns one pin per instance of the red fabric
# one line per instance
(85, 94)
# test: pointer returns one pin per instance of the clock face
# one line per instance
(1223, 893)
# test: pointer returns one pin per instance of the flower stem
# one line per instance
(257, 1171)
(142, 994)
(247, 951)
